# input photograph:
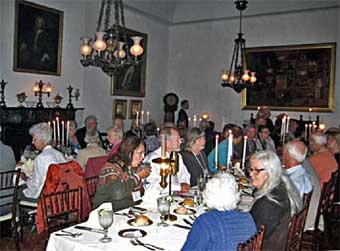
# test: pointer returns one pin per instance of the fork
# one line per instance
(135, 243)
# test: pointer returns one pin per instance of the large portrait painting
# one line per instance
(38, 39)
(130, 81)
(294, 78)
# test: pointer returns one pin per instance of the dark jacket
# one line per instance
(183, 117)
(195, 165)
(80, 134)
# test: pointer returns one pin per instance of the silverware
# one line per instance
(187, 222)
(100, 231)
(124, 214)
(66, 233)
(192, 217)
(151, 245)
(135, 243)
(181, 226)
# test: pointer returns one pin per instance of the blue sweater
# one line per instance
(222, 156)
(220, 230)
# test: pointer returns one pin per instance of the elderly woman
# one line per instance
(194, 156)
(115, 137)
(276, 198)
(72, 140)
(42, 138)
(120, 179)
(222, 228)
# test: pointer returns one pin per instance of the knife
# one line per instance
(181, 226)
(90, 229)
(187, 222)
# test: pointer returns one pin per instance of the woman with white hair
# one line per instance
(222, 228)
(276, 198)
(42, 137)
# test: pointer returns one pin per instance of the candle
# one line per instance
(287, 126)
(158, 131)
(306, 129)
(137, 115)
(244, 152)
(216, 150)
(54, 132)
(310, 129)
(313, 128)
(142, 117)
(62, 132)
(163, 150)
(58, 130)
(67, 132)
(49, 123)
(283, 122)
(147, 117)
(230, 147)
(195, 120)
(189, 120)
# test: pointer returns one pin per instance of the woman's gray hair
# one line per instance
(294, 151)
(271, 163)
(221, 192)
(319, 138)
(41, 131)
(91, 136)
(192, 136)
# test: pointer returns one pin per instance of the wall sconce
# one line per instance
(38, 91)
(70, 96)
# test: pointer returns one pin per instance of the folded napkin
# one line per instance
(93, 220)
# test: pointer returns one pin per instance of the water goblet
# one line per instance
(163, 205)
(105, 220)
(201, 183)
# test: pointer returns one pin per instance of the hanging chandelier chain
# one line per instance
(101, 12)
(240, 21)
(107, 14)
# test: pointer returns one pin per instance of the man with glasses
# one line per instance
(181, 181)
(263, 140)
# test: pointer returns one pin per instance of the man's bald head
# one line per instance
(294, 153)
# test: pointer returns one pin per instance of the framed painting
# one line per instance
(135, 106)
(292, 78)
(130, 81)
(119, 107)
(38, 39)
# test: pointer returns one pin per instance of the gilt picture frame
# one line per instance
(130, 81)
(119, 108)
(38, 36)
(292, 78)
(135, 106)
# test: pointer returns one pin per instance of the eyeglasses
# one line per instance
(256, 171)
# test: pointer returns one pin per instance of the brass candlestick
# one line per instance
(38, 91)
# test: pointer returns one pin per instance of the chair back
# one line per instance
(9, 181)
(61, 209)
(254, 243)
(91, 183)
(94, 165)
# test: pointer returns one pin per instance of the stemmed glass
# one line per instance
(163, 205)
(201, 186)
(145, 181)
(105, 220)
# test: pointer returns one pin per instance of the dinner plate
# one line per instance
(132, 222)
(132, 233)
(189, 211)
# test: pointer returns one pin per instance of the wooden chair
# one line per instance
(254, 243)
(62, 209)
(91, 184)
(9, 181)
(313, 239)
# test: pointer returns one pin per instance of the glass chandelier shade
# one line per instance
(238, 76)
(110, 48)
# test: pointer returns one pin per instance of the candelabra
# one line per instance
(38, 90)
(2, 93)
(70, 96)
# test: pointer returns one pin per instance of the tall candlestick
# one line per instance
(62, 132)
(137, 115)
(216, 150)
(54, 132)
(58, 130)
(67, 132)
(230, 148)
(287, 126)
(163, 148)
(147, 117)
(142, 118)
(244, 152)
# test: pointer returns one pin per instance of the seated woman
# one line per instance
(223, 227)
(194, 156)
(115, 138)
(276, 198)
(120, 179)
(72, 140)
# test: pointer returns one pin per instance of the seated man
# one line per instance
(42, 137)
(92, 150)
(294, 152)
(181, 182)
(90, 124)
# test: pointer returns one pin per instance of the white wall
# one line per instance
(196, 61)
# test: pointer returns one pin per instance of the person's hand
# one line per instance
(23, 176)
(143, 172)
(185, 187)
(125, 177)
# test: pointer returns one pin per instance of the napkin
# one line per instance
(150, 198)
(93, 220)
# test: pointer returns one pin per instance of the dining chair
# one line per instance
(91, 183)
(61, 209)
(9, 181)
(254, 243)
(312, 239)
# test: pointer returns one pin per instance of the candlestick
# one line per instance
(67, 132)
(287, 126)
(137, 115)
(244, 152)
(216, 150)
(230, 146)
(58, 130)
(62, 132)
(142, 117)
(54, 132)
(147, 117)
(283, 123)
(163, 148)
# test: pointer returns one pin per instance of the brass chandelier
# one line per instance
(238, 77)
(110, 50)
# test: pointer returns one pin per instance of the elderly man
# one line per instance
(172, 143)
(42, 137)
(90, 124)
(294, 152)
(322, 159)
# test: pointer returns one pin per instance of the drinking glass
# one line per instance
(105, 220)
(164, 208)
(146, 183)
(201, 183)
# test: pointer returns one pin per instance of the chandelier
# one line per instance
(238, 77)
(110, 49)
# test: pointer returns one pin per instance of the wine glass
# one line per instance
(163, 205)
(146, 183)
(105, 220)
(201, 183)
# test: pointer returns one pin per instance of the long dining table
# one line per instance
(171, 237)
